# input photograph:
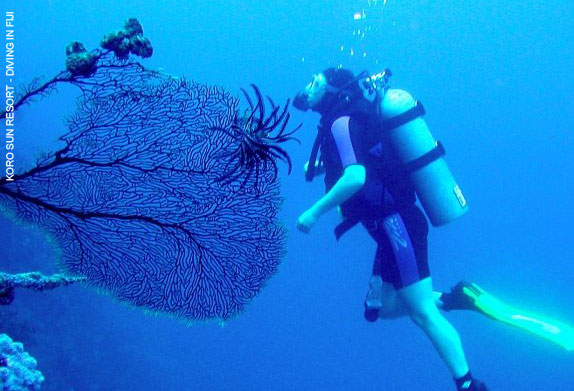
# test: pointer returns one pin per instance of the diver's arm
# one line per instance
(353, 177)
(351, 181)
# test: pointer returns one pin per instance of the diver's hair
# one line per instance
(339, 77)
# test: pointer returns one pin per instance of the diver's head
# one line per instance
(312, 94)
(331, 86)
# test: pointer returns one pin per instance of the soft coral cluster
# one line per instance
(17, 368)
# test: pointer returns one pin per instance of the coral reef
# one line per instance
(17, 368)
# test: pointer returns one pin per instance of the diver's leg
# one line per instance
(382, 298)
(391, 305)
(418, 298)
(400, 259)
(406, 267)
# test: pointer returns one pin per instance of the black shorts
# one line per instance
(402, 248)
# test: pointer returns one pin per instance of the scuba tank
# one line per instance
(414, 145)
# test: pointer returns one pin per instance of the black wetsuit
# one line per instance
(385, 205)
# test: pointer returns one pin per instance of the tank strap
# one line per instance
(414, 112)
(429, 157)
(346, 225)
(310, 174)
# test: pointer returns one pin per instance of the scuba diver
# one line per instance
(378, 155)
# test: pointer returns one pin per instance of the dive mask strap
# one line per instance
(337, 90)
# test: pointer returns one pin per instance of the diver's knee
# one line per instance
(424, 316)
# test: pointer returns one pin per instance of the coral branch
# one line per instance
(31, 280)
(36, 280)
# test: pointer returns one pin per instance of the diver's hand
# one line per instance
(307, 220)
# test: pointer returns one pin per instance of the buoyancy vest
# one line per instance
(387, 188)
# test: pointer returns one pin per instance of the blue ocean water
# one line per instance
(496, 82)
